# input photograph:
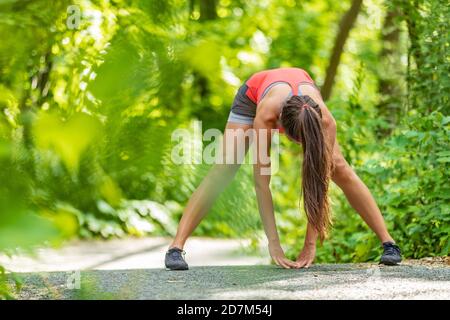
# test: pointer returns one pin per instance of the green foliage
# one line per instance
(5, 285)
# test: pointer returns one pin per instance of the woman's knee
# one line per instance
(225, 170)
(342, 173)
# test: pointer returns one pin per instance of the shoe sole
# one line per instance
(175, 269)
(390, 263)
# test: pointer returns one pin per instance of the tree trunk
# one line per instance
(43, 78)
(208, 9)
(412, 16)
(345, 25)
(391, 71)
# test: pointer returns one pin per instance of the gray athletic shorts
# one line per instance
(243, 109)
(237, 118)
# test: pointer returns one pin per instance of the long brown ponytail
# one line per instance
(301, 119)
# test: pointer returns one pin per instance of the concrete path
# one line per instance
(344, 281)
(132, 269)
(131, 253)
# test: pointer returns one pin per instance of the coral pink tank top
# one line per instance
(260, 83)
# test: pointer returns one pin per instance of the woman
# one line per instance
(286, 97)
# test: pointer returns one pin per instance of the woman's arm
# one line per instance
(329, 128)
(308, 253)
(266, 120)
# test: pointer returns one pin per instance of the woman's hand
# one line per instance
(306, 256)
(277, 254)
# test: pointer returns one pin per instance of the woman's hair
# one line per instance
(301, 119)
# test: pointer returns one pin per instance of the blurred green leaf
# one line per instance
(69, 139)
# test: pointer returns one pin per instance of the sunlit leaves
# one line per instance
(9, 103)
(111, 191)
(122, 75)
(25, 230)
(204, 57)
(69, 139)
(64, 218)
(20, 224)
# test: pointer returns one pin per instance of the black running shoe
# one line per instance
(175, 259)
(391, 254)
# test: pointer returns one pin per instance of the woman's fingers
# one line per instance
(298, 264)
(301, 263)
(283, 263)
(304, 263)
(277, 262)
(290, 263)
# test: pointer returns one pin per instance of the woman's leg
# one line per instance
(358, 195)
(213, 184)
